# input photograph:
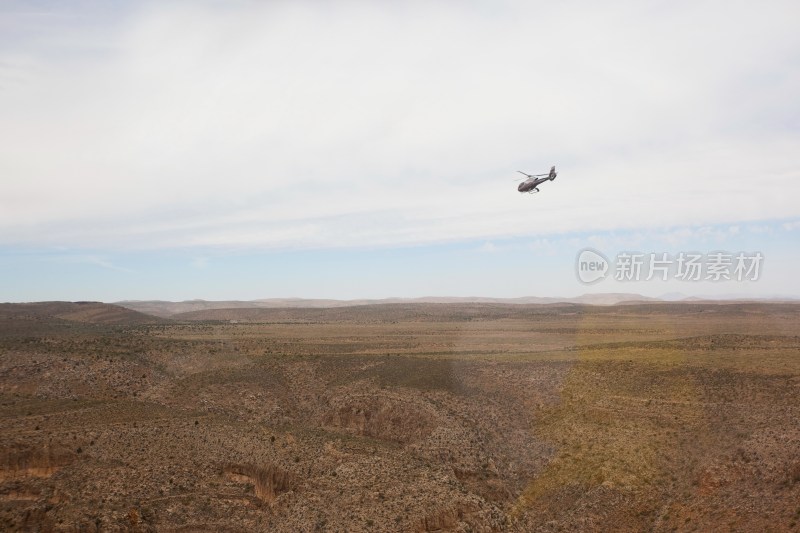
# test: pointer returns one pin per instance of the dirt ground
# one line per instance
(401, 417)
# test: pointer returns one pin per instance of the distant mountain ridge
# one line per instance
(167, 309)
(154, 311)
(84, 312)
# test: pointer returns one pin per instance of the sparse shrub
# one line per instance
(133, 517)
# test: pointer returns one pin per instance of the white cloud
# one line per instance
(200, 262)
(85, 259)
(308, 125)
(791, 226)
(488, 248)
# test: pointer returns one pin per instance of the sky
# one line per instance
(244, 150)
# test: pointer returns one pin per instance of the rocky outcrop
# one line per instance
(268, 481)
(20, 461)
(388, 417)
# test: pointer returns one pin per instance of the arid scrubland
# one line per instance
(402, 417)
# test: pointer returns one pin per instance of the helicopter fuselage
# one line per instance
(531, 184)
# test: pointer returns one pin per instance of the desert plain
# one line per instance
(401, 417)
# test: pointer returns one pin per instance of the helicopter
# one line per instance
(531, 184)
